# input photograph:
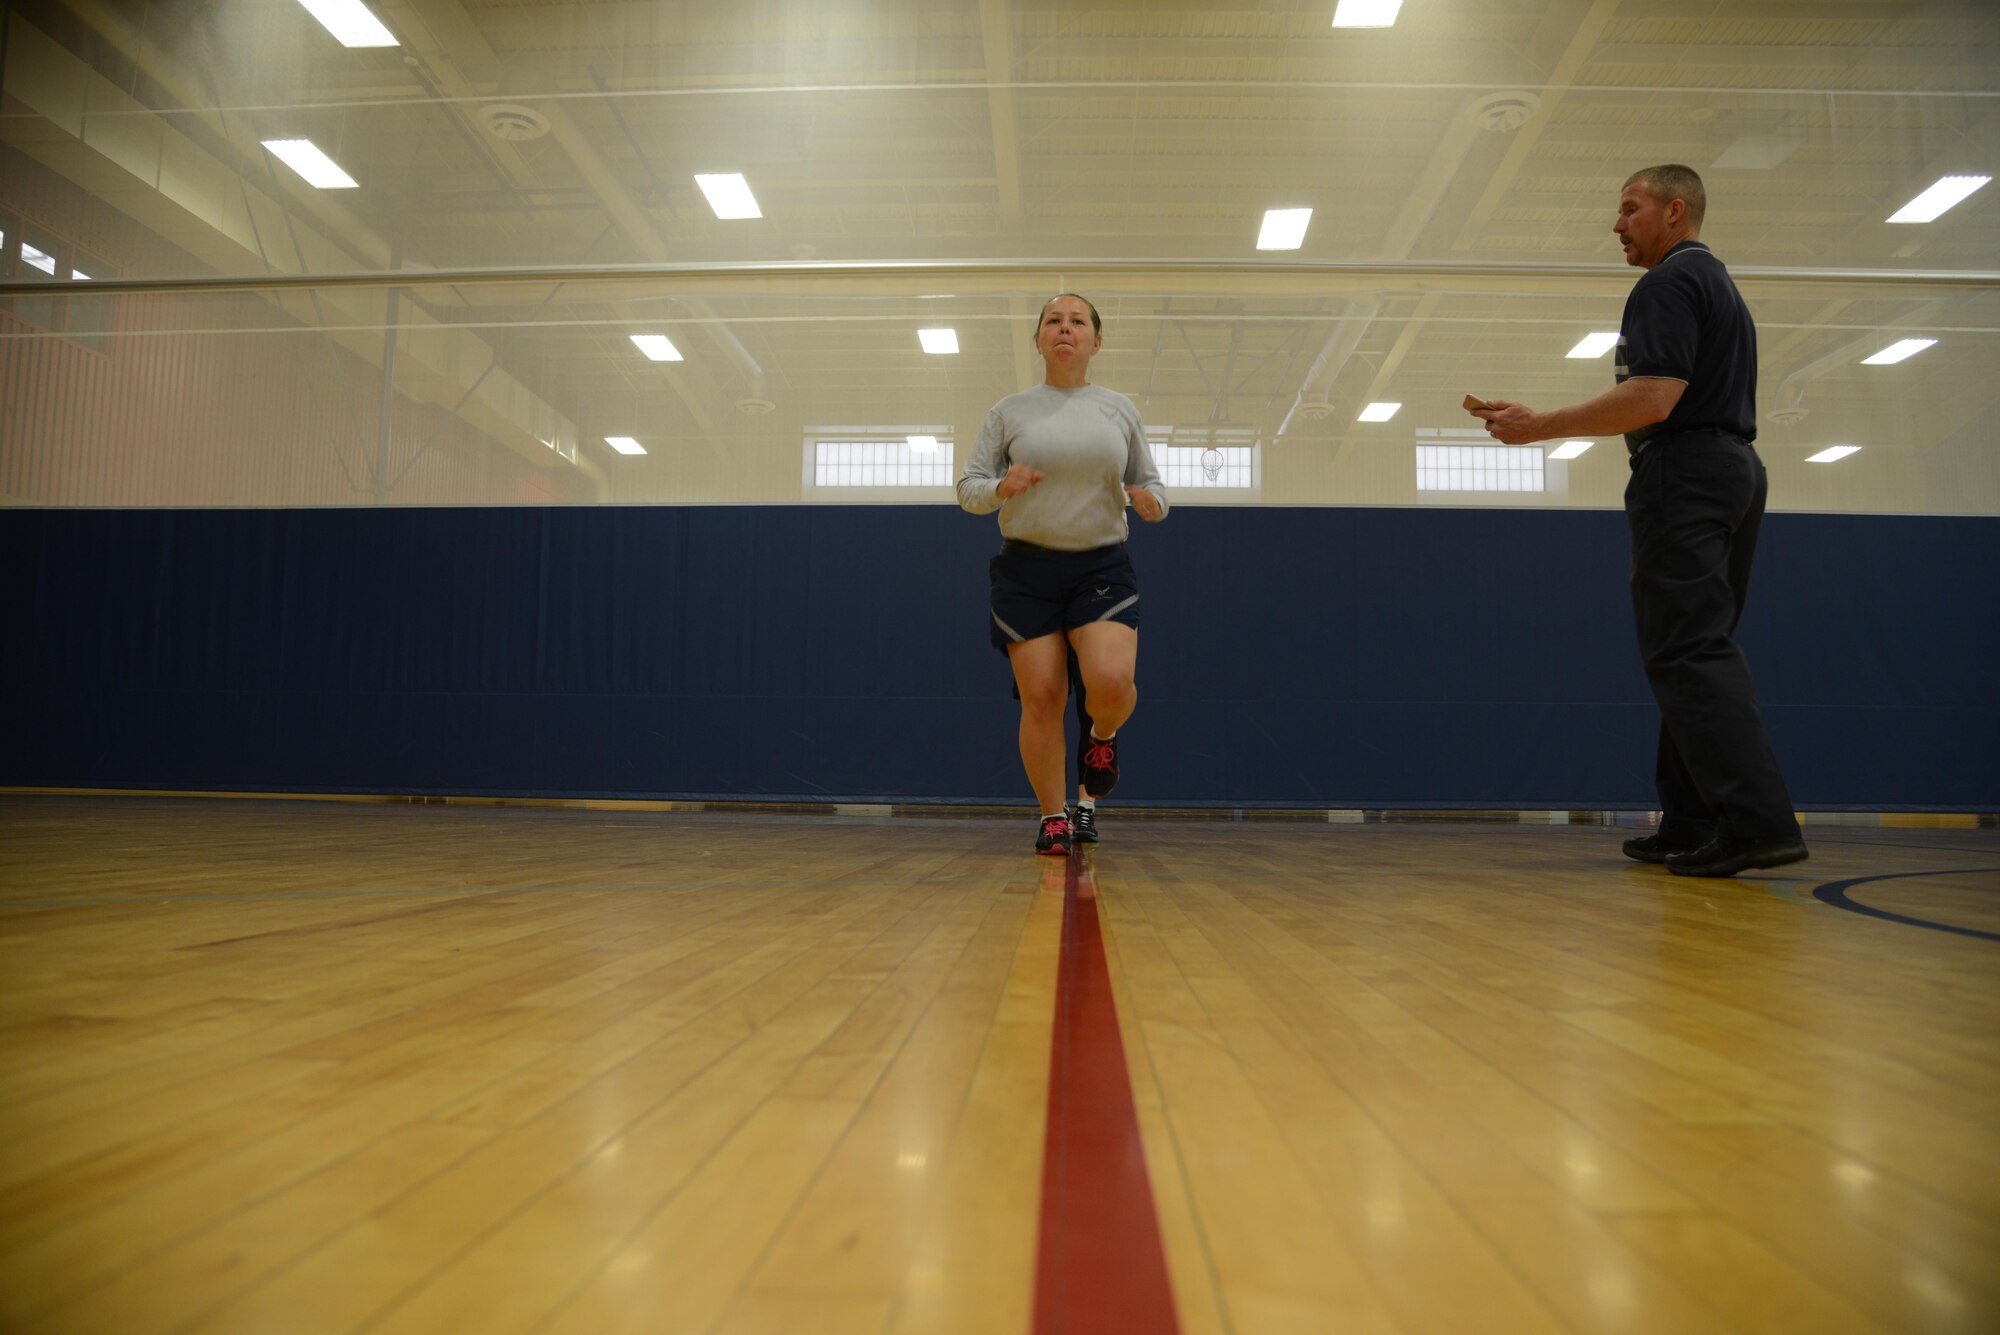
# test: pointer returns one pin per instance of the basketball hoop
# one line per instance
(1211, 463)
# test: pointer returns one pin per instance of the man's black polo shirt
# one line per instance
(1686, 321)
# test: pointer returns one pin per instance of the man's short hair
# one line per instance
(1672, 181)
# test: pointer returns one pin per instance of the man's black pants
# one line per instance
(1695, 504)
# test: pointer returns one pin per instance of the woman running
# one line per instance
(1058, 462)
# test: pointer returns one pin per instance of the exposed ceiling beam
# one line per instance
(1406, 338)
(1584, 32)
(452, 55)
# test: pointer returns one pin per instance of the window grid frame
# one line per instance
(880, 460)
(1452, 467)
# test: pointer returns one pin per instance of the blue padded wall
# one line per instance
(1309, 657)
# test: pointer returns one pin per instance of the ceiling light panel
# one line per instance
(1759, 152)
(350, 22)
(1366, 13)
(304, 157)
(657, 347)
(1284, 229)
(1900, 351)
(1948, 191)
(729, 195)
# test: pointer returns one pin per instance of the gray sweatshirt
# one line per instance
(1089, 444)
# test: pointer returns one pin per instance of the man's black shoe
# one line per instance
(1083, 824)
(1656, 847)
(1100, 766)
(1724, 856)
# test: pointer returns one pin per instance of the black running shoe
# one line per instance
(1083, 824)
(1100, 766)
(1657, 847)
(1723, 856)
(1053, 841)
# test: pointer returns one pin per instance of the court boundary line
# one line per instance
(1834, 893)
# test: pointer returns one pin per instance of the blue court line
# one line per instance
(1835, 893)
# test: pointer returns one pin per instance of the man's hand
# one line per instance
(1019, 478)
(1145, 502)
(1636, 402)
(1511, 423)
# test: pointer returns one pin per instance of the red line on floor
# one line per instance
(1101, 1266)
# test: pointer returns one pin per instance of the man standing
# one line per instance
(1686, 402)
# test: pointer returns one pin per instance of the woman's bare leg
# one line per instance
(1041, 672)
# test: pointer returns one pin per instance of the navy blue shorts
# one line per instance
(1038, 591)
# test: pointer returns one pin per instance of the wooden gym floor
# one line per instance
(297, 1067)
